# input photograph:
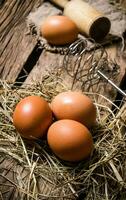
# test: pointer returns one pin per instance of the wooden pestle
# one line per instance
(89, 21)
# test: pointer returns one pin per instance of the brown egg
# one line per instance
(70, 140)
(59, 30)
(75, 106)
(32, 117)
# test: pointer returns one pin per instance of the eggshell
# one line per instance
(76, 106)
(32, 117)
(59, 30)
(70, 140)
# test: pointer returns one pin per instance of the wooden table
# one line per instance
(20, 55)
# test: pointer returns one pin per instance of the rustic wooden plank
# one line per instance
(16, 53)
(117, 75)
(116, 16)
(16, 44)
(115, 11)
(14, 179)
(48, 60)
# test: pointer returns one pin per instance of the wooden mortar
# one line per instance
(89, 21)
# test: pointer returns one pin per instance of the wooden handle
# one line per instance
(60, 3)
(89, 21)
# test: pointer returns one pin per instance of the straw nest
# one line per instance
(34, 171)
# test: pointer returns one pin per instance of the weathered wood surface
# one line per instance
(9, 173)
(14, 181)
(15, 52)
(16, 45)
(48, 60)
(118, 18)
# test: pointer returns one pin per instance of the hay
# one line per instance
(38, 174)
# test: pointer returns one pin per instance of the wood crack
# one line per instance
(28, 65)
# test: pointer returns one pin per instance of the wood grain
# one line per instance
(16, 44)
(14, 179)
(48, 61)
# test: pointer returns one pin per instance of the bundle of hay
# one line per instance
(29, 170)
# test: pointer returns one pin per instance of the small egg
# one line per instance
(59, 30)
(32, 117)
(76, 106)
(70, 140)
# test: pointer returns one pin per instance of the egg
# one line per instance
(70, 140)
(76, 106)
(32, 117)
(59, 30)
